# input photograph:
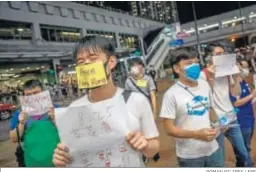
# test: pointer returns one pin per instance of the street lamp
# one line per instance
(196, 30)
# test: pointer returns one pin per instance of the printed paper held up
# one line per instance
(95, 135)
(225, 65)
(37, 104)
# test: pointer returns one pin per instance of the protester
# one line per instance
(187, 109)
(142, 83)
(221, 87)
(38, 132)
(144, 136)
(245, 105)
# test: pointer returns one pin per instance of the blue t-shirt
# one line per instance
(15, 118)
(245, 115)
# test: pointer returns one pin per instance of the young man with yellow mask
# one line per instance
(143, 138)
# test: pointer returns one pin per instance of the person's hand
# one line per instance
(206, 134)
(211, 69)
(22, 117)
(137, 141)
(253, 93)
(61, 156)
(51, 113)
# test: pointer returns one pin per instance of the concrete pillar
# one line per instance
(36, 33)
(83, 32)
(117, 40)
(56, 62)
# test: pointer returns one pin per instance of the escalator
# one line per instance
(158, 50)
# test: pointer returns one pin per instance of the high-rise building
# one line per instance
(164, 11)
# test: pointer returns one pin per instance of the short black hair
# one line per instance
(136, 61)
(193, 52)
(95, 42)
(179, 54)
(32, 84)
(210, 48)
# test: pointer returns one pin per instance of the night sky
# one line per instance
(207, 8)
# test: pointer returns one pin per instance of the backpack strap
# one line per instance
(18, 135)
(126, 95)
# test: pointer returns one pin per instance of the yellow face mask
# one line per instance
(91, 75)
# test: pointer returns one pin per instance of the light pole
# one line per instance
(240, 13)
(196, 30)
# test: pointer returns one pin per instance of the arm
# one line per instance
(177, 132)
(13, 133)
(18, 119)
(213, 115)
(153, 102)
(242, 101)
(148, 138)
(237, 101)
(234, 87)
(152, 148)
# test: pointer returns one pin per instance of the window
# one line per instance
(233, 22)
(128, 41)
(10, 30)
(59, 34)
(109, 35)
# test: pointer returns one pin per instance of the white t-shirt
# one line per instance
(139, 113)
(189, 114)
(221, 96)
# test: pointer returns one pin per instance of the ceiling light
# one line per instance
(11, 69)
(6, 70)
(22, 69)
(37, 68)
(235, 17)
(69, 65)
(233, 40)
(20, 29)
(16, 76)
(28, 67)
(42, 67)
(252, 13)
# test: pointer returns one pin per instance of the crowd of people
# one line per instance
(199, 110)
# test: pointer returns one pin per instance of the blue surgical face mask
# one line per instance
(192, 72)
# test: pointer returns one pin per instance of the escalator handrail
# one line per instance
(155, 41)
(150, 56)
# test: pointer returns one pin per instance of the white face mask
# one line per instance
(245, 72)
(135, 70)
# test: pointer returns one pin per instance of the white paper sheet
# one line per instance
(37, 104)
(225, 65)
(95, 135)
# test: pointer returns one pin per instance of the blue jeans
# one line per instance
(234, 135)
(206, 161)
(247, 135)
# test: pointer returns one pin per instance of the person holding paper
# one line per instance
(37, 132)
(95, 60)
(144, 84)
(243, 102)
(221, 87)
(186, 110)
